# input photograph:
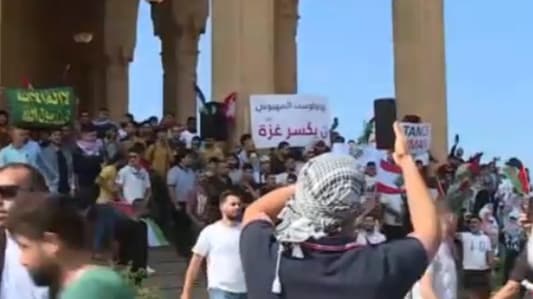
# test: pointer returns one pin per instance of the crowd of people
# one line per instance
(324, 221)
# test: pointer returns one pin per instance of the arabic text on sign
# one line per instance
(48, 97)
(41, 115)
(289, 105)
(270, 131)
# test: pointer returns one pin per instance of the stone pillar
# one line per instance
(248, 45)
(180, 36)
(286, 61)
(420, 75)
(120, 30)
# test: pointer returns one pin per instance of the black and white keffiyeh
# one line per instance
(329, 195)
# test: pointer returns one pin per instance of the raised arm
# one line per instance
(269, 205)
(426, 225)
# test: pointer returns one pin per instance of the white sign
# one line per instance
(418, 137)
(296, 119)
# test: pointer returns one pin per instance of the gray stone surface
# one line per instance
(170, 273)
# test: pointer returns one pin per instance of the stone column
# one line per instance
(180, 36)
(243, 56)
(286, 61)
(120, 30)
(420, 72)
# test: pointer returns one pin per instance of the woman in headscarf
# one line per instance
(312, 252)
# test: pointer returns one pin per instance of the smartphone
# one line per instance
(384, 117)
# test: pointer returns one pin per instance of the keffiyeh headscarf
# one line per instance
(329, 194)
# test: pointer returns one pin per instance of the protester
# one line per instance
(15, 280)
(314, 239)
(218, 243)
(47, 230)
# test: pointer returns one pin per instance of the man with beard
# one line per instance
(14, 278)
(47, 229)
(219, 244)
(312, 252)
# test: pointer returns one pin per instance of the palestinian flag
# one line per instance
(515, 171)
(155, 234)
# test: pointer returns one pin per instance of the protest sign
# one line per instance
(418, 137)
(41, 107)
(296, 119)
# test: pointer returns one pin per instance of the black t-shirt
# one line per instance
(385, 271)
(521, 270)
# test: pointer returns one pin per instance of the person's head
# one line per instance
(103, 114)
(126, 118)
(222, 168)
(134, 156)
(85, 117)
(184, 158)
(320, 147)
(161, 135)
(290, 164)
(230, 205)
(19, 136)
(284, 148)
(329, 195)
(212, 164)
(247, 172)
(17, 178)
(67, 132)
(264, 162)
(191, 124)
(474, 224)
(233, 161)
(196, 142)
(56, 137)
(291, 179)
(49, 230)
(271, 180)
(459, 152)
(247, 142)
(4, 118)
(369, 223)
(131, 128)
(371, 169)
(89, 133)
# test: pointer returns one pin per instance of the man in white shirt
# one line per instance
(16, 281)
(133, 180)
(219, 244)
(369, 234)
(477, 260)
(188, 135)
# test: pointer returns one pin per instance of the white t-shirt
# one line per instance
(219, 243)
(443, 275)
(395, 203)
(373, 238)
(16, 281)
(135, 182)
(475, 248)
(186, 137)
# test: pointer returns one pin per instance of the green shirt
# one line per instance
(98, 283)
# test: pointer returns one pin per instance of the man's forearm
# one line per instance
(508, 291)
(191, 275)
(421, 206)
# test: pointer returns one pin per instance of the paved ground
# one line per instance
(170, 272)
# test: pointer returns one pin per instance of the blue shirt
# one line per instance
(30, 154)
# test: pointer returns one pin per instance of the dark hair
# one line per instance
(283, 144)
(4, 113)
(474, 216)
(34, 214)
(247, 166)
(292, 177)
(224, 195)
(371, 164)
(137, 148)
(213, 160)
(34, 181)
(182, 154)
(244, 138)
(88, 128)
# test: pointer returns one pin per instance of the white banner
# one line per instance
(418, 137)
(296, 119)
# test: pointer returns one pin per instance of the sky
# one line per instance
(345, 52)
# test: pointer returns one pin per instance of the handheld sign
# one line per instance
(418, 137)
(41, 107)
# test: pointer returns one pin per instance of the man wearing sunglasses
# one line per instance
(15, 281)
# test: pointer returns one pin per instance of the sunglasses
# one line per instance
(9, 191)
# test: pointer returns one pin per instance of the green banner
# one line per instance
(41, 107)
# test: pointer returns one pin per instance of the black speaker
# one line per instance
(213, 122)
(385, 116)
